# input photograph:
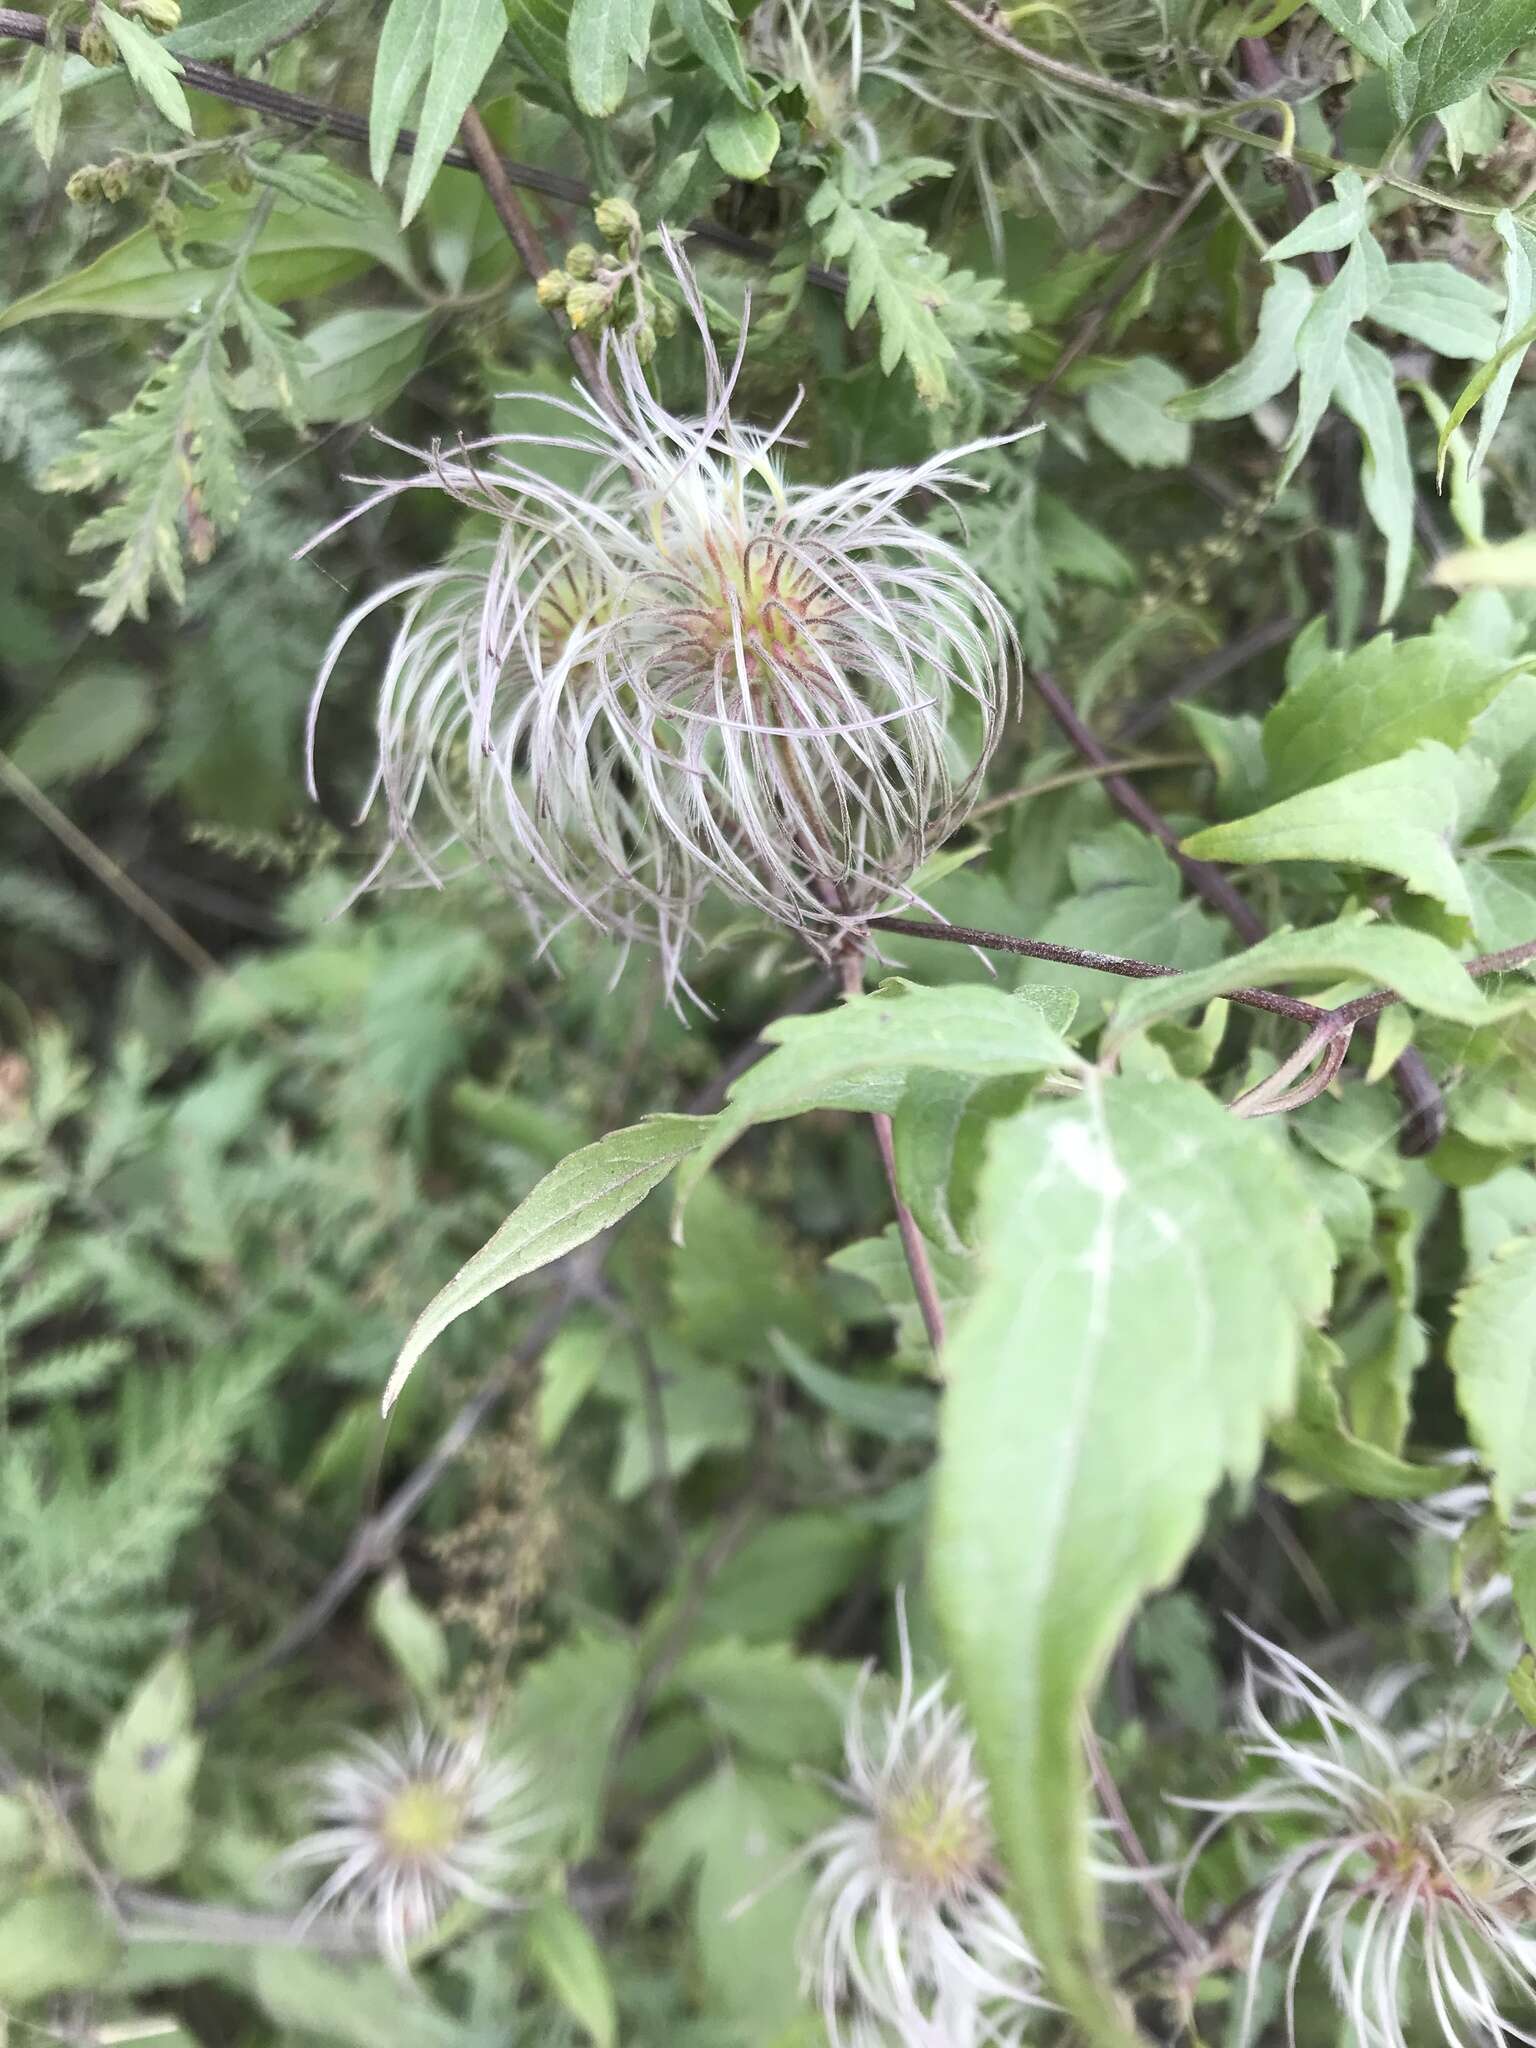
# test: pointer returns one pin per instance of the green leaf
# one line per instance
(151, 67)
(142, 1779)
(354, 2005)
(900, 1414)
(469, 33)
(1492, 1353)
(860, 1055)
(1441, 306)
(48, 99)
(568, 1708)
(1519, 318)
(603, 38)
(1352, 711)
(1365, 389)
(55, 1940)
(1320, 345)
(744, 145)
(1379, 30)
(1399, 818)
(570, 1962)
(357, 363)
(1464, 44)
(412, 1635)
(1150, 1266)
(538, 32)
(786, 1709)
(1128, 413)
(585, 1194)
(241, 31)
(709, 29)
(1268, 366)
(1333, 225)
(405, 50)
(301, 250)
(1420, 969)
(1319, 1444)
(86, 727)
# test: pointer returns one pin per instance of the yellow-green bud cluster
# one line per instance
(158, 16)
(111, 182)
(96, 45)
(617, 222)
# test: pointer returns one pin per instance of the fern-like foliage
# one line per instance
(172, 456)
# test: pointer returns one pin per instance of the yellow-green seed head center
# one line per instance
(422, 1820)
(932, 1841)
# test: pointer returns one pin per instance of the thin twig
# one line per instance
(109, 874)
(1136, 764)
(1115, 1812)
(913, 1245)
(301, 111)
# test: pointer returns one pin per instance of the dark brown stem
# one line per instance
(913, 1245)
(1205, 675)
(1180, 1933)
(524, 237)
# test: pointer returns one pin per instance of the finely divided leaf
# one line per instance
(1150, 1269)
(1492, 1353)
(583, 1195)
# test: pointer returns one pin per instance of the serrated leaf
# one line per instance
(1268, 366)
(890, 266)
(1416, 967)
(603, 39)
(86, 727)
(744, 144)
(709, 29)
(1492, 1353)
(151, 67)
(1463, 44)
(1354, 710)
(859, 1056)
(563, 1953)
(405, 50)
(142, 1779)
(1400, 818)
(1150, 1267)
(468, 35)
(584, 1194)
(1129, 413)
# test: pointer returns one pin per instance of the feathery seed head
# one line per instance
(690, 673)
(906, 1928)
(1412, 1853)
(409, 1825)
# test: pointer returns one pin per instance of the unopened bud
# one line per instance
(581, 260)
(168, 222)
(84, 188)
(159, 16)
(117, 179)
(240, 179)
(617, 221)
(96, 46)
(552, 287)
(645, 341)
(585, 303)
(665, 316)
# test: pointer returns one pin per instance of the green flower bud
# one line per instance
(665, 315)
(240, 179)
(117, 179)
(96, 46)
(552, 287)
(84, 188)
(645, 341)
(581, 260)
(168, 222)
(585, 303)
(617, 221)
(159, 16)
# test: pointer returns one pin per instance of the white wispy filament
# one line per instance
(689, 672)
(1412, 1858)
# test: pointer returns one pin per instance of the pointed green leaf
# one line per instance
(404, 52)
(1150, 1268)
(1333, 225)
(468, 35)
(142, 1779)
(151, 67)
(1133, 413)
(563, 1953)
(1441, 306)
(1268, 366)
(1462, 45)
(603, 38)
(709, 29)
(744, 144)
(583, 1195)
